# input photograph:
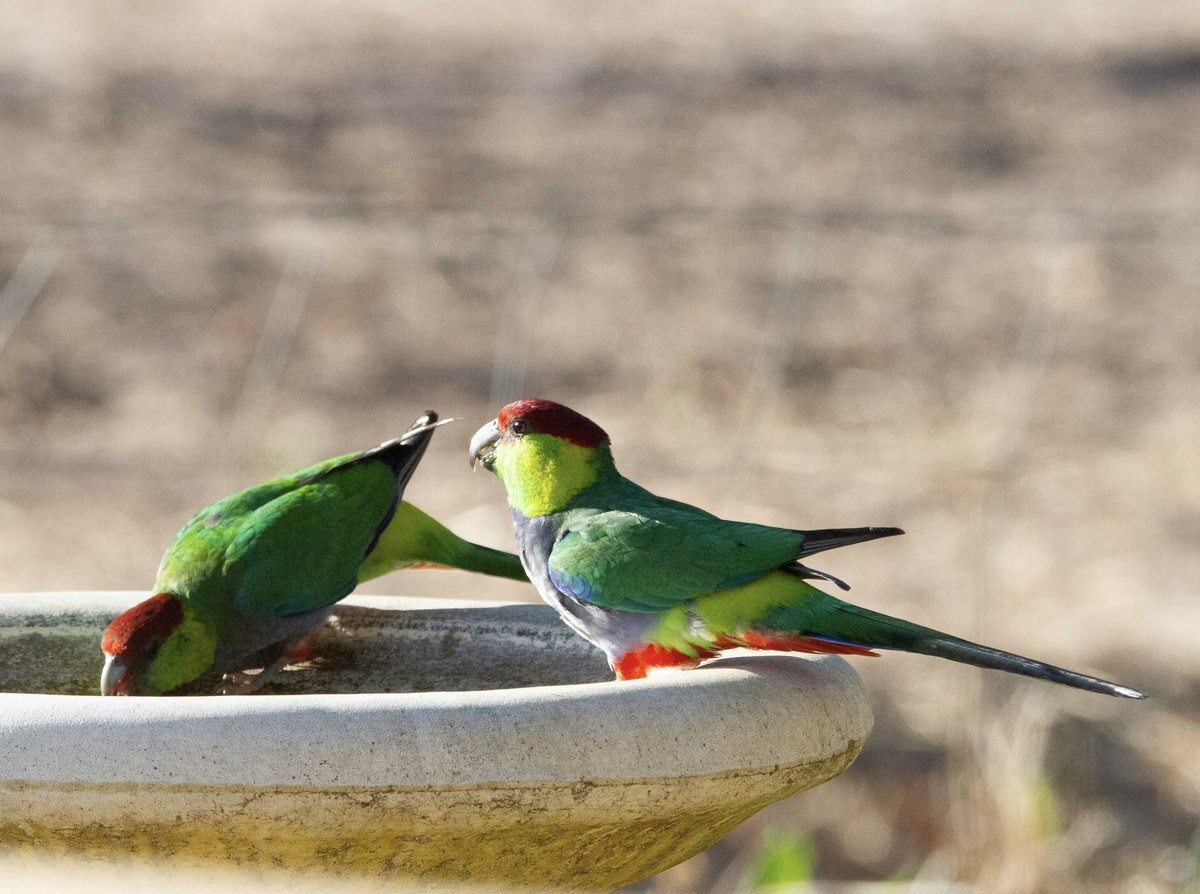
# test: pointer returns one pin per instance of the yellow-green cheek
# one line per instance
(186, 654)
(542, 473)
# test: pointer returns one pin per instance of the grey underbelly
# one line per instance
(257, 635)
(615, 632)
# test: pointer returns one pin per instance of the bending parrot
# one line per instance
(257, 573)
(658, 583)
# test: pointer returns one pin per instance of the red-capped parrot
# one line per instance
(256, 574)
(658, 583)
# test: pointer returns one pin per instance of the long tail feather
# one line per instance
(485, 560)
(404, 453)
(832, 538)
(848, 623)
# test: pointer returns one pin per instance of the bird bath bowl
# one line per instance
(429, 742)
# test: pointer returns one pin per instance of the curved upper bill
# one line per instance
(483, 444)
(113, 679)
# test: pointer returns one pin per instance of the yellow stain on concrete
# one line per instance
(592, 835)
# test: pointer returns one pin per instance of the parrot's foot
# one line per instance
(243, 683)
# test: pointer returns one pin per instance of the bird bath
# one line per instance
(516, 759)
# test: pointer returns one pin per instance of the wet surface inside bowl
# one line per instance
(367, 649)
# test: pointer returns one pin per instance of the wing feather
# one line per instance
(302, 550)
(649, 561)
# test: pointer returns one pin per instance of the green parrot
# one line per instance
(657, 583)
(255, 575)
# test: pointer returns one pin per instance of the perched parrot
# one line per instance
(658, 583)
(257, 573)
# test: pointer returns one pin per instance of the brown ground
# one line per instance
(809, 266)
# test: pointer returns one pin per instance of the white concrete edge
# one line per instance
(733, 714)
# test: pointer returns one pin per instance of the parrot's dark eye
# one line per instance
(518, 427)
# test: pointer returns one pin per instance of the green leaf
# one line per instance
(783, 859)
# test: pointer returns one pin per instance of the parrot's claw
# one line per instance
(242, 683)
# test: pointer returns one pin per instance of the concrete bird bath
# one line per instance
(515, 761)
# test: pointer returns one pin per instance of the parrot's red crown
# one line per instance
(147, 623)
(545, 417)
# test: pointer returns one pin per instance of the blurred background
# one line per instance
(934, 265)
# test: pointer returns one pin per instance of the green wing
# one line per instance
(302, 551)
(290, 545)
(653, 558)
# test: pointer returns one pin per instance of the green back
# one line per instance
(288, 546)
(631, 550)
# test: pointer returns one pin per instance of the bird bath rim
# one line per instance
(445, 784)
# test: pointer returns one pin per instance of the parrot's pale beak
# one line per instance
(114, 679)
(483, 445)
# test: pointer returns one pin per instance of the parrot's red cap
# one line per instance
(147, 623)
(545, 417)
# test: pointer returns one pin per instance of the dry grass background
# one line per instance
(934, 265)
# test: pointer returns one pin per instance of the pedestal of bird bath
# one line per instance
(429, 741)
